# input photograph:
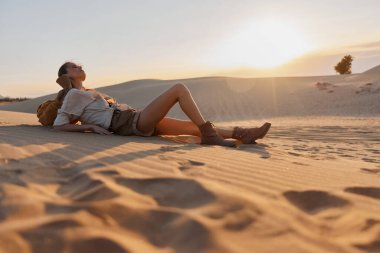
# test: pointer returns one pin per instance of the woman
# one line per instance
(96, 115)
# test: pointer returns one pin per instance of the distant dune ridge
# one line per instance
(228, 98)
(311, 185)
(373, 71)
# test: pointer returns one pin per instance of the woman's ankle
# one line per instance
(225, 133)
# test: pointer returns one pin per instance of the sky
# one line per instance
(122, 40)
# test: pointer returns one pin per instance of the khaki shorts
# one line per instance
(125, 122)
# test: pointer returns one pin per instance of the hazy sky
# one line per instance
(118, 41)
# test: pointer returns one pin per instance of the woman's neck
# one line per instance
(78, 85)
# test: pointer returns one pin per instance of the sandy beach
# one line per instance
(312, 185)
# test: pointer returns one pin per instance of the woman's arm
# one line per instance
(82, 128)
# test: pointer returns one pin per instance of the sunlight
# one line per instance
(266, 43)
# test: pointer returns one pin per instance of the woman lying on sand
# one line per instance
(96, 115)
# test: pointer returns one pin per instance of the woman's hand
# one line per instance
(100, 130)
(123, 107)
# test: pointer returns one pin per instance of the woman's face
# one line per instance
(76, 72)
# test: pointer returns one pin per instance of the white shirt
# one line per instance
(89, 107)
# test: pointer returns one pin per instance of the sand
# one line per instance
(312, 185)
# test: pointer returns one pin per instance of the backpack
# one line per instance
(48, 110)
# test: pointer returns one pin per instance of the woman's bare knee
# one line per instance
(181, 88)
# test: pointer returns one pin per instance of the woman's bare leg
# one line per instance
(156, 110)
(172, 126)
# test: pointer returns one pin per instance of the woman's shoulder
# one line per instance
(74, 90)
(75, 96)
(77, 92)
(76, 100)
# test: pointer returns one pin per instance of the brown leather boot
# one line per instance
(250, 135)
(209, 136)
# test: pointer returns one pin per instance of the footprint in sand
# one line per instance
(370, 223)
(370, 160)
(238, 221)
(97, 244)
(313, 201)
(176, 231)
(374, 151)
(345, 155)
(108, 172)
(235, 216)
(61, 224)
(170, 148)
(372, 171)
(84, 188)
(175, 192)
(184, 164)
(39, 242)
(303, 164)
(295, 154)
(188, 164)
(373, 246)
(173, 148)
(221, 212)
(52, 208)
(372, 192)
(187, 193)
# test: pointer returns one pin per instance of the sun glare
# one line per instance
(263, 44)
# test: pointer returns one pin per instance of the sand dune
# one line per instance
(373, 71)
(227, 98)
(311, 186)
